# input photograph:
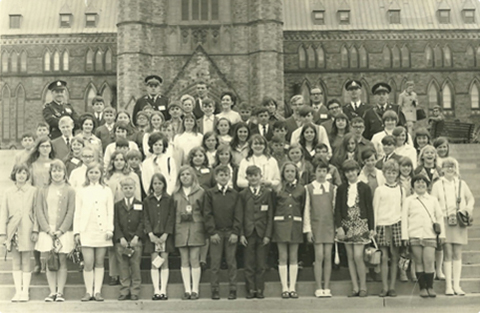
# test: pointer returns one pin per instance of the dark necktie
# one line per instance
(322, 188)
(68, 142)
(264, 130)
(254, 191)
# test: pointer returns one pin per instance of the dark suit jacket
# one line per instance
(159, 220)
(160, 104)
(255, 130)
(328, 126)
(62, 151)
(128, 223)
(373, 119)
(197, 110)
(365, 204)
(350, 112)
(200, 123)
(99, 121)
(253, 218)
(393, 156)
(321, 115)
(291, 126)
(105, 136)
(52, 112)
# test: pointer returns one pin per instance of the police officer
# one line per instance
(355, 107)
(153, 98)
(53, 111)
(374, 115)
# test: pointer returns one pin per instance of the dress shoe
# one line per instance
(250, 294)
(260, 294)
(215, 294)
(123, 297)
(232, 295)
(98, 297)
(134, 297)
(114, 281)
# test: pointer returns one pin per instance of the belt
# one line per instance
(288, 217)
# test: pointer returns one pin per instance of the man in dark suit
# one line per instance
(356, 107)
(293, 122)
(153, 98)
(262, 127)
(316, 102)
(202, 93)
(373, 116)
(62, 144)
(53, 111)
(98, 105)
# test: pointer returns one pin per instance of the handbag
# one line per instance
(463, 218)
(53, 262)
(405, 259)
(372, 255)
(421, 115)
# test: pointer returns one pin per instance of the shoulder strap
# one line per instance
(426, 209)
(459, 199)
(168, 165)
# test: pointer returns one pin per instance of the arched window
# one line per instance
(99, 61)
(90, 93)
(320, 57)
(405, 56)
(107, 95)
(396, 57)
(477, 58)
(344, 56)
(470, 57)
(428, 56)
(20, 120)
(14, 62)
(56, 61)
(447, 97)
(474, 97)
(5, 62)
(447, 56)
(6, 112)
(387, 57)
(66, 61)
(108, 60)
(432, 95)
(393, 93)
(89, 60)
(310, 57)
(302, 57)
(438, 55)
(47, 58)
(23, 61)
(362, 52)
(353, 57)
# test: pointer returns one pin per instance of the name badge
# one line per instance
(69, 111)
(317, 192)
(189, 209)
(329, 176)
(47, 165)
(264, 207)
(323, 116)
(286, 146)
(137, 207)
(162, 108)
(205, 170)
(75, 161)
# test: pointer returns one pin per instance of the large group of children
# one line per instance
(204, 185)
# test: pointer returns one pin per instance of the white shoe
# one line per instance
(24, 297)
(327, 293)
(16, 297)
(458, 291)
(319, 293)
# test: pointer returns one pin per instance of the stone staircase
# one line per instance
(470, 171)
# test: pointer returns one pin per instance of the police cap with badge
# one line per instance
(153, 79)
(353, 84)
(381, 87)
(58, 84)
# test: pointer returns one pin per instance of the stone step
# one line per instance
(471, 257)
(473, 244)
(272, 290)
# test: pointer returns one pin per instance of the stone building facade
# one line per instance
(255, 48)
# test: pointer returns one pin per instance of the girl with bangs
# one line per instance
(347, 151)
(17, 233)
(239, 143)
(259, 156)
(306, 172)
(224, 156)
(188, 139)
(156, 121)
(210, 143)
(117, 170)
(308, 141)
(54, 211)
(74, 160)
(197, 158)
(402, 148)
(442, 146)
(93, 228)
(88, 124)
(340, 127)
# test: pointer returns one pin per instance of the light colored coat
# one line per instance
(88, 198)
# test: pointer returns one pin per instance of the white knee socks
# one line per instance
(155, 280)
(88, 279)
(196, 274)
(447, 270)
(457, 274)
(186, 279)
(293, 271)
(164, 273)
(99, 273)
(282, 271)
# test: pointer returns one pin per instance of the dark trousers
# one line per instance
(216, 252)
(255, 262)
(130, 275)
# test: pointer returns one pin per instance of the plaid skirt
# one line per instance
(390, 235)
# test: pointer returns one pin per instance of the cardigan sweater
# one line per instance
(364, 203)
(66, 205)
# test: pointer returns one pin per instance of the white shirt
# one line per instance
(387, 204)
(263, 129)
(232, 116)
(208, 123)
(77, 176)
(268, 166)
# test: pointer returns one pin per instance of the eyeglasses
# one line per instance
(358, 127)
(153, 85)
(317, 94)
(334, 108)
(45, 146)
(87, 156)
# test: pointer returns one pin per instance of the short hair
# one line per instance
(187, 97)
(121, 142)
(261, 110)
(267, 100)
(223, 148)
(17, 168)
(333, 101)
(295, 98)
(65, 119)
(422, 153)
(161, 178)
(120, 125)
(97, 99)
(43, 124)
(437, 142)
(388, 140)
(350, 165)
(277, 139)
(28, 135)
(201, 82)
(253, 170)
(56, 163)
(406, 161)
(398, 130)
(390, 165)
(133, 154)
(244, 106)
(110, 110)
(156, 137)
(207, 102)
(127, 181)
(421, 131)
(79, 140)
(357, 119)
(320, 162)
(390, 114)
(367, 153)
(305, 110)
(208, 135)
(321, 145)
(222, 169)
(419, 177)
(451, 162)
(279, 125)
(232, 96)
(85, 117)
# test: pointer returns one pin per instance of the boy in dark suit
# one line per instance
(105, 132)
(256, 230)
(262, 127)
(222, 214)
(128, 235)
(208, 121)
(388, 144)
(98, 105)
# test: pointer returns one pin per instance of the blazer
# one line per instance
(106, 136)
(198, 112)
(159, 218)
(94, 197)
(159, 103)
(321, 115)
(255, 129)
(62, 151)
(373, 119)
(222, 211)
(365, 204)
(392, 156)
(66, 207)
(100, 121)
(257, 212)
(128, 223)
(291, 126)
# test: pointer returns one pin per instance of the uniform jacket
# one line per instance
(255, 129)
(350, 112)
(222, 211)
(200, 124)
(128, 222)
(373, 119)
(159, 104)
(52, 112)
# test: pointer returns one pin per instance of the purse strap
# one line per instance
(426, 209)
